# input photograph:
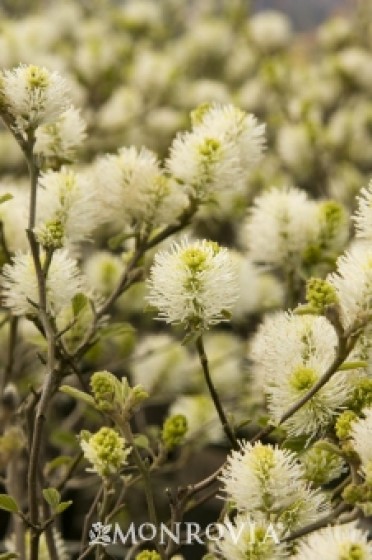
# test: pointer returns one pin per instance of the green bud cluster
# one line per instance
(362, 396)
(320, 294)
(174, 430)
(115, 396)
(148, 555)
(344, 424)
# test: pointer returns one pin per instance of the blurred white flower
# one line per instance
(203, 425)
(14, 217)
(265, 479)
(136, 189)
(160, 365)
(291, 353)
(103, 270)
(339, 542)
(281, 225)
(62, 138)
(194, 283)
(270, 30)
(33, 95)
(68, 211)
(19, 285)
(353, 284)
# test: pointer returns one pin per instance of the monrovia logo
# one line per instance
(99, 534)
(182, 533)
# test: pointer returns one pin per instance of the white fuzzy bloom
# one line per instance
(282, 224)
(219, 151)
(270, 30)
(68, 211)
(263, 478)
(62, 138)
(353, 284)
(19, 283)
(355, 64)
(136, 189)
(363, 216)
(341, 542)
(203, 425)
(33, 95)
(291, 353)
(249, 537)
(194, 283)
(294, 147)
(361, 433)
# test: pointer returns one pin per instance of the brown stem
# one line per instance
(212, 390)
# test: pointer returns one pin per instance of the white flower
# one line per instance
(262, 478)
(361, 433)
(136, 189)
(68, 210)
(341, 542)
(194, 284)
(353, 284)
(282, 224)
(105, 450)
(291, 353)
(249, 537)
(270, 30)
(20, 288)
(218, 153)
(363, 216)
(33, 95)
(62, 138)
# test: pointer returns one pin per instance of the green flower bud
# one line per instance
(148, 555)
(105, 450)
(319, 294)
(344, 424)
(174, 430)
(104, 388)
(51, 234)
(362, 396)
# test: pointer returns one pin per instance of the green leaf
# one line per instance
(142, 441)
(8, 503)
(352, 365)
(8, 556)
(5, 197)
(296, 444)
(116, 329)
(63, 505)
(77, 394)
(117, 241)
(52, 496)
(79, 301)
(61, 461)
